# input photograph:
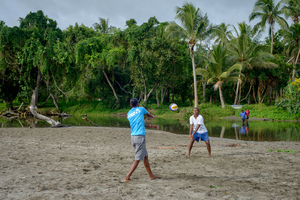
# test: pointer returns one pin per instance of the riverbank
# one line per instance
(91, 163)
(233, 117)
(208, 110)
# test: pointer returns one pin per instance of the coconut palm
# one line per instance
(103, 26)
(291, 9)
(269, 13)
(292, 41)
(247, 52)
(222, 34)
(195, 27)
(220, 69)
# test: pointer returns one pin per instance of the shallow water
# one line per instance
(230, 129)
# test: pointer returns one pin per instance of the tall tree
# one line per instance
(268, 12)
(221, 69)
(222, 34)
(292, 41)
(247, 52)
(195, 26)
(11, 42)
(98, 53)
(103, 26)
(291, 9)
(37, 57)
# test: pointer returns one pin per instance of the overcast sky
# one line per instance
(87, 12)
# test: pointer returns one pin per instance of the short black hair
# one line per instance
(133, 102)
(196, 108)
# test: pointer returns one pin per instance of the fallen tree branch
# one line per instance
(85, 118)
(20, 106)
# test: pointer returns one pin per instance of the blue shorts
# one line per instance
(203, 136)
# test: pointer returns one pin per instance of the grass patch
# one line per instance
(285, 151)
(270, 112)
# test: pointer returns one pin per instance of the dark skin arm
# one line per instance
(150, 115)
(191, 130)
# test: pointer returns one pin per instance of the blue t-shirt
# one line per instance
(243, 130)
(136, 119)
(243, 115)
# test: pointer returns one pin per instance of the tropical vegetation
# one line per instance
(156, 62)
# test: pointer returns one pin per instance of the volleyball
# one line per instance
(173, 107)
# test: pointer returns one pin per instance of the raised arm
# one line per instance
(150, 115)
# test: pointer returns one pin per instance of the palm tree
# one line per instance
(103, 26)
(219, 69)
(195, 27)
(222, 34)
(292, 41)
(291, 8)
(269, 13)
(247, 52)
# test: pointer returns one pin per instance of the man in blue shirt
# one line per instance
(243, 116)
(138, 137)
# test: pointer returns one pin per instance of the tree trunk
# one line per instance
(50, 91)
(267, 92)
(157, 100)
(162, 94)
(294, 70)
(204, 89)
(240, 93)
(112, 88)
(272, 38)
(247, 93)
(54, 100)
(237, 90)
(34, 99)
(222, 132)
(148, 95)
(254, 95)
(204, 79)
(173, 96)
(271, 96)
(194, 74)
(42, 105)
(258, 93)
(221, 97)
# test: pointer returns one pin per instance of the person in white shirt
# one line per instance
(198, 131)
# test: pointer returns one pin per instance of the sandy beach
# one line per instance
(92, 162)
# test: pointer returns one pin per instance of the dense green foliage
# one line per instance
(99, 69)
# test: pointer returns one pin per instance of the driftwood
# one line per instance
(33, 103)
(21, 106)
(10, 113)
(52, 122)
(13, 114)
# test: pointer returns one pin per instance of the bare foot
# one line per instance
(154, 177)
(127, 180)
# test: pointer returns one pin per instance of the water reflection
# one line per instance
(230, 129)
